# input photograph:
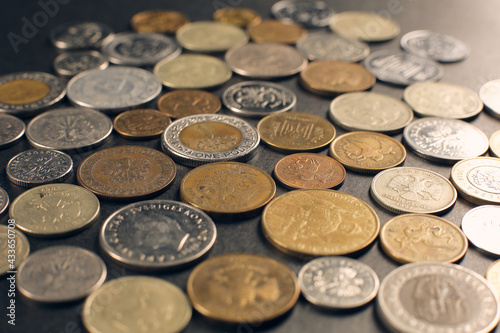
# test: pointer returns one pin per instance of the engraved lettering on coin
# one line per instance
(187, 102)
(440, 47)
(485, 178)
(70, 64)
(413, 188)
(211, 137)
(125, 170)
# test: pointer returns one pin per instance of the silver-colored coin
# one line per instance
(437, 297)
(412, 190)
(83, 35)
(4, 201)
(206, 138)
(39, 166)
(69, 64)
(489, 93)
(322, 45)
(265, 60)
(115, 88)
(60, 274)
(258, 98)
(69, 129)
(11, 130)
(402, 68)
(157, 234)
(312, 14)
(139, 49)
(481, 225)
(338, 282)
(440, 47)
(445, 140)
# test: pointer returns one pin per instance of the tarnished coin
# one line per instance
(210, 36)
(445, 140)
(157, 234)
(494, 144)
(274, 31)
(11, 130)
(83, 35)
(228, 189)
(422, 237)
(141, 123)
(313, 14)
(438, 99)
(135, 304)
(265, 60)
(338, 282)
(482, 227)
(296, 131)
(126, 172)
(186, 102)
(493, 275)
(418, 297)
(69, 64)
(309, 171)
(319, 223)
(4, 201)
(412, 190)
(239, 16)
(158, 21)
(489, 93)
(366, 26)
(242, 288)
(11, 258)
(54, 210)
(321, 45)
(60, 274)
(440, 47)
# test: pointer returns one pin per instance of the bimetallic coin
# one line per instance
(494, 143)
(242, 288)
(241, 17)
(313, 14)
(412, 190)
(440, 47)
(157, 234)
(159, 21)
(489, 93)
(69, 64)
(141, 123)
(418, 297)
(11, 258)
(60, 274)
(338, 282)
(482, 227)
(80, 35)
(141, 303)
(11, 130)
(493, 275)
(366, 26)
(323, 45)
(186, 102)
(274, 31)
(209, 36)
(4, 201)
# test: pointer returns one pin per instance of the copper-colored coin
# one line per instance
(328, 77)
(160, 21)
(126, 172)
(274, 31)
(141, 123)
(242, 17)
(309, 171)
(242, 288)
(187, 102)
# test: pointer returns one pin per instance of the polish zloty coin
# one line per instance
(322, 45)
(482, 227)
(210, 36)
(83, 35)
(313, 14)
(489, 93)
(437, 46)
(11, 130)
(70, 64)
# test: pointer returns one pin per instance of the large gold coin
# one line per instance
(241, 17)
(274, 31)
(12, 257)
(242, 288)
(366, 26)
(23, 91)
(141, 123)
(319, 223)
(160, 21)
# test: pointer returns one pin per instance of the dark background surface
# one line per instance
(474, 22)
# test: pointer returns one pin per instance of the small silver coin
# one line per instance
(437, 46)
(60, 274)
(258, 98)
(39, 166)
(437, 297)
(11, 130)
(82, 35)
(481, 225)
(338, 282)
(139, 49)
(445, 140)
(489, 93)
(4, 201)
(402, 68)
(69, 64)
(113, 89)
(69, 129)
(322, 45)
(313, 14)
(157, 234)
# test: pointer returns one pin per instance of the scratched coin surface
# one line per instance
(493, 275)
(186, 102)
(242, 288)
(489, 93)
(4, 201)
(159, 21)
(366, 26)
(494, 144)
(11, 130)
(319, 223)
(312, 14)
(210, 36)
(141, 123)
(81, 35)
(482, 225)
(239, 16)
(322, 45)
(60, 274)
(69, 64)
(9, 261)
(275, 31)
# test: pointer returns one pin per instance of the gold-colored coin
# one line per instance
(495, 144)
(330, 77)
(493, 275)
(241, 17)
(11, 258)
(210, 36)
(135, 304)
(187, 102)
(195, 136)
(274, 31)
(422, 237)
(367, 152)
(141, 123)
(295, 131)
(160, 21)
(228, 189)
(242, 288)
(369, 27)
(319, 223)
(23, 91)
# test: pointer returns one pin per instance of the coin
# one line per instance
(438, 99)
(258, 98)
(69, 129)
(493, 275)
(4, 201)
(186, 102)
(321, 45)
(366, 26)
(135, 304)
(309, 171)
(422, 237)
(141, 123)
(319, 223)
(54, 210)
(25, 94)
(206, 138)
(69, 64)
(126, 172)
(489, 93)
(82, 35)
(418, 297)
(157, 234)
(242, 288)
(295, 131)
(481, 225)
(11, 130)
(445, 140)
(241, 17)
(265, 60)
(370, 111)
(60, 274)
(228, 189)
(11, 258)
(192, 71)
(210, 36)
(494, 143)
(38, 166)
(159, 21)
(274, 31)
(312, 14)
(338, 282)
(326, 77)
(412, 190)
